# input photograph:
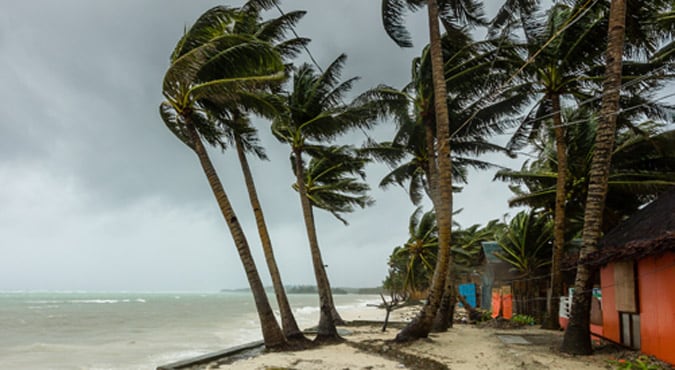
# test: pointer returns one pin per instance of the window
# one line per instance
(630, 329)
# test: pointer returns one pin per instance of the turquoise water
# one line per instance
(134, 330)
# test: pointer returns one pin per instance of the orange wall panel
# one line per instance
(656, 279)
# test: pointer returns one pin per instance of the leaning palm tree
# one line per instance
(470, 70)
(233, 119)
(559, 55)
(315, 113)
(577, 338)
(332, 180)
(221, 70)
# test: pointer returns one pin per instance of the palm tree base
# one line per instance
(416, 329)
(550, 323)
(297, 338)
(328, 339)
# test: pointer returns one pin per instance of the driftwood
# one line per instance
(388, 306)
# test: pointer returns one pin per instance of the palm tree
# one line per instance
(392, 17)
(559, 55)
(332, 180)
(203, 68)
(470, 68)
(332, 184)
(577, 338)
(466, 255)
(419, 252)
(640, 37)
(315, 113)
(289, 324)
(234, 121)
(642, 167)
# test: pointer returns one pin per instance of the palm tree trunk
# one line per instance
(421, 325)
(444, 315)
(326, 330)
(577, 338)
(432, 171)
(290, 326)
(272, 334)
(559, 217)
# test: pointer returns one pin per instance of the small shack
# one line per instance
(637, 276)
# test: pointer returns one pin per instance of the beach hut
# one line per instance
(636, 261)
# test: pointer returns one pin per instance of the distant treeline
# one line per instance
(311, 289)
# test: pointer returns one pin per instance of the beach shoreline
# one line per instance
(464, 346)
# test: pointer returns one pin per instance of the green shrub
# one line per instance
(483, 315)
(642, 363)
(523, 319)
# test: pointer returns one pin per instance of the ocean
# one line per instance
(97, 331)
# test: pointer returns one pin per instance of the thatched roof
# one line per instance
(650, 231)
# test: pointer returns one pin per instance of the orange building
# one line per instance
(637, 279)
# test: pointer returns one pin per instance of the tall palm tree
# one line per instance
(315, 113)
(577, 336)
(234, 121)
(469, 70)
(245, 145)
(637, 34)
(392, 17)
(559, 55)
(332, 184)
(222, 69)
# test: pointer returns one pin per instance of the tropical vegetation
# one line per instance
(574, 86)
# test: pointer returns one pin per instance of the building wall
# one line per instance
(656, 294)
(656, 278)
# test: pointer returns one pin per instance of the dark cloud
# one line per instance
(93, 183)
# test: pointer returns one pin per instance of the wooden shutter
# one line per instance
(624, 279)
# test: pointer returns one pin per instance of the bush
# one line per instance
(523, 319)
(484, 315)
(642, 362)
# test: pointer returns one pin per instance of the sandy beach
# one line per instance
(463, 347)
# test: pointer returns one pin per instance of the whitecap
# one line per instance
(94, 301)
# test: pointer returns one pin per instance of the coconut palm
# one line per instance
(419, 251)
(223, 69)
(470, 68)
(574, 341)
(332, 184)
(642, 37)
(392, 17)
(233, 119)
(642, 167)
(315, 113)
(332, 180)
(559, 55)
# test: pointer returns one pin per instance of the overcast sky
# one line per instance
(96, 194)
